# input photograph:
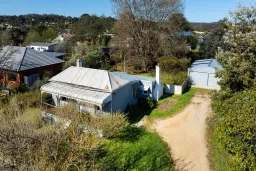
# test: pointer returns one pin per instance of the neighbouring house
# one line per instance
(202, 73)
(98, 91)
(22, 65)
(62, 38)
(55, 54)
(42, 47)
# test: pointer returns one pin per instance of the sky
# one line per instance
(195, 10)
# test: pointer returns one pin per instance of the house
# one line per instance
(20, 65)
(42, 47)
(62, 38)
(55, 54)
(202, 73)
(98, 91)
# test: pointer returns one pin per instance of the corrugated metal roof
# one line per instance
(22, 58)
(129, 77)
(77, 93)
(87, 77)
(41, 44)
(96, 79)
(211, 64)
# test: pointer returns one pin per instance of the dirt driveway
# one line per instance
(185, 135)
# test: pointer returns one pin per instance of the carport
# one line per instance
(202, 73)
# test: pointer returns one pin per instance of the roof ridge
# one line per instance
(210, 62)
(22, 58)
(110, 81)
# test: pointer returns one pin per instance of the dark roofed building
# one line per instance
(20, 65)
(55, 54)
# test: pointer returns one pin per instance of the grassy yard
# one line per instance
(170, 105)
(165, 107)
(141, 151)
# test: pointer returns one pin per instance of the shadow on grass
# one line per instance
(143, 108)
(132, 134)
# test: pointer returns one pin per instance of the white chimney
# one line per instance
(79, 63)
(158, 74)
(158, 91)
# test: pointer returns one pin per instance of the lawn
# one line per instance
(176, 104)
(142, 151)
(165, 107)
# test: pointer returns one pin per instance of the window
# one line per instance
(63, 99)
(145, 92)
(11, 76)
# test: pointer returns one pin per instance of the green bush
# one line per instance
(175, 78)
(170, 64)
(137, 68)
(236, 127)
(26, 100)
(193, 42)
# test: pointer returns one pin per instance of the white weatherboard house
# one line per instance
(202, 73)
(42, 47)
(98, 91)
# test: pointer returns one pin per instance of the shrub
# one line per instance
(236, 127)
(193, 42)
(26, 100)
(170, 64)
(175, 78)
(137, 68)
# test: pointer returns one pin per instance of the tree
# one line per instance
(179, 23)
(237, 54)
(40, 34)
(90, 27)
(209, 46)
(140, 27)
(193, 41)
(91, 55)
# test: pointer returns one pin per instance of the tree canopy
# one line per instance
(142, 27)
(91, 26)
(237, 54)
(40, 33)
(209, 47)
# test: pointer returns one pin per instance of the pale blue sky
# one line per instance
(195, 10)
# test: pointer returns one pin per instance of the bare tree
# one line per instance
(142, 26)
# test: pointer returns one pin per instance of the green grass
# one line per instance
(218, 157)
(194, 50)
(181, 102)
(144, 151)
(147, 74)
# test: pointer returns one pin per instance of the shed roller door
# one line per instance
(213, 81)
(199, 79)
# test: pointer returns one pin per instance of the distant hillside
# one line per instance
(51, 20)
(204, 26)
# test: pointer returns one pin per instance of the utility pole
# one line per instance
(124, 64)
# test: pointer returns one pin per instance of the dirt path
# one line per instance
(185, 135)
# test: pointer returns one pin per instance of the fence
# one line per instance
(175, 89)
